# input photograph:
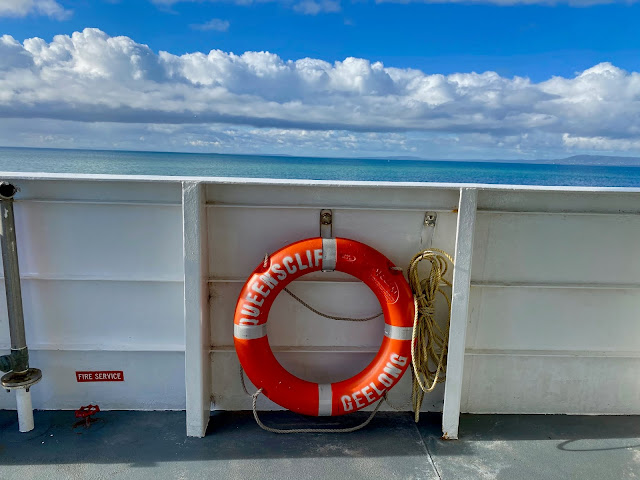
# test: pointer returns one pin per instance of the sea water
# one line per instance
(265, 166)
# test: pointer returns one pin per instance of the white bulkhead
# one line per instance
(552, 306)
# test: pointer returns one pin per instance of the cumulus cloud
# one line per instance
(214, 24)
(22, 8)
(601, 143)
(92, 77)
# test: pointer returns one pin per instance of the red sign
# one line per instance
(101, 376)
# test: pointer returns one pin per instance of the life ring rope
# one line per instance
(330, 317)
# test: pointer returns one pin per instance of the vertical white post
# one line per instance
(196, 308)
(25, 410)
(459, 311)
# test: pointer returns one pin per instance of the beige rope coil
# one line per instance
(429, 340)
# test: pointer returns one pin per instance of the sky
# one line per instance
(478, 79)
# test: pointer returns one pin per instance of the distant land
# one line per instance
(603, 160)
(592, 160)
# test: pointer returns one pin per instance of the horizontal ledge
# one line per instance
(577, 286)
(302, 349)
(128, 203)
(96, 278)
(557, 212)
(552, 353)
(86, 347)
(361, 184)
(453, 209)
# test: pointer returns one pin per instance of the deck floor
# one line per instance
(136, 445)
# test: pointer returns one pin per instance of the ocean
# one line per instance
(265, 166)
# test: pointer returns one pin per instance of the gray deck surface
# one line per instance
(136, 445)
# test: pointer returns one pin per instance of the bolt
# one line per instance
(430, 219)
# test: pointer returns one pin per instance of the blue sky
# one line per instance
(532, 40)
(535, 41)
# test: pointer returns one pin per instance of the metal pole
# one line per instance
(12, 271)
(20, 377)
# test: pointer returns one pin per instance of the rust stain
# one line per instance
(455, 210)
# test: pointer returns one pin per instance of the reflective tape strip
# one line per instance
(250, 332)
(398, 333)
(324, 400)
(329, 254)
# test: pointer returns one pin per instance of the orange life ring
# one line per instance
(287, 265)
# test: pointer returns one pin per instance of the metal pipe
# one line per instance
(11, 268)
(20, 377)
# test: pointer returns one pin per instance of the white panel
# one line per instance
(558, 201)
(398, 235)
(97, 191)
(99, 314)
(228, 393)
(554, 319)
(557, 248)
(99, 240)
(415, 197)
(551, 384)
(152, 381)
(239, 238)
(243, 235)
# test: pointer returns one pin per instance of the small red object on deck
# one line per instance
(86, 412)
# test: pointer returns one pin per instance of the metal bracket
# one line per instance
(24, 379)
(326, 223)
(430, 219)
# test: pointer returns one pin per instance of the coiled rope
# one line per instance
(429, 340)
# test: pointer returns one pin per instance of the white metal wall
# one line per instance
(101, 268)
(552, 324)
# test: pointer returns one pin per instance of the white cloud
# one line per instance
(22, 8)
(13, 55)
(313, 7)
(92, 77)
(601, 143)
(214, 24)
